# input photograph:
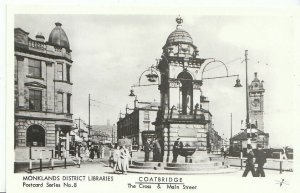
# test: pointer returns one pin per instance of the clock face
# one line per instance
(255, 104)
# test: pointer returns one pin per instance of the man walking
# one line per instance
(249, 162)
(283, 153)
(260, 160)
(156, 151)
(147, 149)
(176, 149)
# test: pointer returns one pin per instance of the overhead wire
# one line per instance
(230, 62)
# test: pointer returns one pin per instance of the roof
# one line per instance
(150, 105)
(58, 37)
(19, 29)
(241, 136)
(103, 128)
(179, 35)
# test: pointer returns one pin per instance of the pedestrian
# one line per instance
(147, 149)
(249, 162)
(82, 152)
(222, 151)
(72, 150)
(63, 152)
(283, 153)
(260, 160)
(79, 151)
(125, 156)
(102, 152)
(92, 153)
(117, 159)
(225, 152)
(176, 149)
(87, 153)
(156, 151)
(97, 151)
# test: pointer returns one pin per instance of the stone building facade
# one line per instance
(214, 140)
(43, 93)
(137, 125)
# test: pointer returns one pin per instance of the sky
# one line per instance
(110, 52)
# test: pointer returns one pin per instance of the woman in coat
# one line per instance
(92, 153)
(117, 159)
(125, 156)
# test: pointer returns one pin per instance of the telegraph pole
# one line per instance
(112, 134)
(89, 114)
(89, 136)
(230, 125)
(247, 102)
(79, 127)
(248, 124)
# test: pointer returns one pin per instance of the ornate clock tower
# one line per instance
(181, 114)
(256, 102)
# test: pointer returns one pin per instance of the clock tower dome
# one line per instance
(256, 103)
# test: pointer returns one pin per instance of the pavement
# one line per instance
(101, 166)
(271, 164)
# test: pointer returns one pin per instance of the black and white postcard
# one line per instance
(131, 99)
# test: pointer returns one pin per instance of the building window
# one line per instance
(35, 100)
(35, 136)
(69, 103)
(34, 68)
(146, 115)
(146, 125)
(60, 72)
(68, 73)
(60, 102)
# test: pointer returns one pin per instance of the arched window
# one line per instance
(35, 136)
(186, 92)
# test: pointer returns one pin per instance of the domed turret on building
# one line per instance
(180, 42)
(58, 37)
(179, 35)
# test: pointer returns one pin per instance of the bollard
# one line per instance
(52, 163)
(241, 164)
(79, 162)
(30, 166)
(241, 160)
(30, 153)
(280, 167)
(65, 163)
(41, 165)
(52, 154)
